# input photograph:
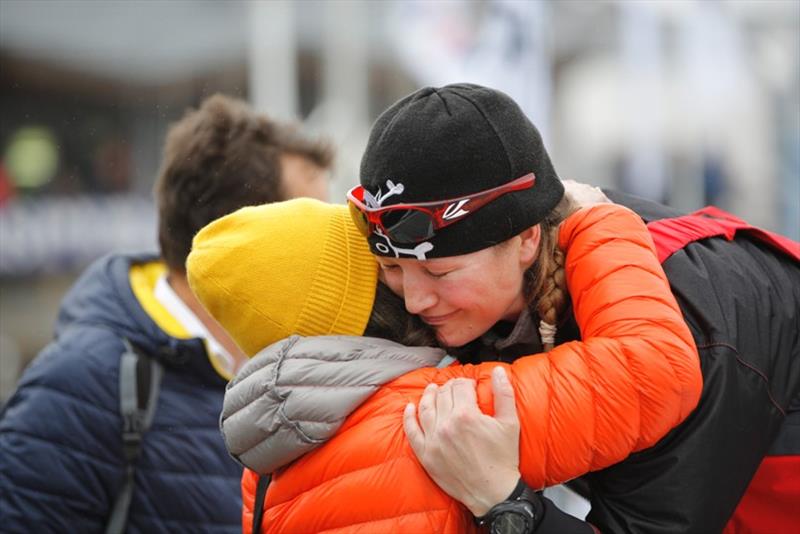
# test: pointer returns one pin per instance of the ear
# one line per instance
(529, 245)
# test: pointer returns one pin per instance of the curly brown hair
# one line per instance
(217, 159)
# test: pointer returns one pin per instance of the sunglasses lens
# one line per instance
(409, 226)
(359, 219)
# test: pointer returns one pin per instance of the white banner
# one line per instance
(63, 234)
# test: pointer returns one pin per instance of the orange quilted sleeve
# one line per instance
(249, 483)
(589, 404)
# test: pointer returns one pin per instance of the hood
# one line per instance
(294, 395)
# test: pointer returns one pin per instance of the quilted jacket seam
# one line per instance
(49, 442)
(273, 385)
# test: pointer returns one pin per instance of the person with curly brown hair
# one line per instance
(71, 457)
(460, 203)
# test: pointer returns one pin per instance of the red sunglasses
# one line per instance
(412, 223)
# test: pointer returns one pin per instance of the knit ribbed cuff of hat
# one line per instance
(295, 267)
(351, 297)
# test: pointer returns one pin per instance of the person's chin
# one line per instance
(448, 338)
(442, 337)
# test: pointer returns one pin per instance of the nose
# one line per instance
(418, 294)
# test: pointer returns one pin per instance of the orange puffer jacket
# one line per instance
(583, 406)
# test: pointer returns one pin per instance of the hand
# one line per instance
(584, 194)
(473, 457)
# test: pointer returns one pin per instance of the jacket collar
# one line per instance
(103, 297)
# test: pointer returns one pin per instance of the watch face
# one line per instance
(510, 523)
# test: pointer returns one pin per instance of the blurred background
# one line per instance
(685, 102)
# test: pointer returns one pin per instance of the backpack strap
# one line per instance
(672, 234)
(139, 380)
(258, 504)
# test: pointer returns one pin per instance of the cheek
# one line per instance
(394, 280)
(464, 294)
(484, 294)
(510, 274)
(313, 187)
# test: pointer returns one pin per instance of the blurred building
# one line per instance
(685, 102)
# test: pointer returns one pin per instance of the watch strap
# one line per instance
(536, 499)
(516, 492)
(520, 492)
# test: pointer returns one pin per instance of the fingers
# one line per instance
(444, 399)
(584, 194)
(414, 433)
(505, 409)
(464, 396)
(417, 430)
(427, 409)
(457, 395)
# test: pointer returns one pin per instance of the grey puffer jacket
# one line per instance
(295, 394)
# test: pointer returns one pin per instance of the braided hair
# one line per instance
(545, 281)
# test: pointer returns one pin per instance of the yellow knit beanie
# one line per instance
(294, 267)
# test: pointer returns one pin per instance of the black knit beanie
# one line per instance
(453, 141)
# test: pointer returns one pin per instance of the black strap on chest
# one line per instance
(258, 504)
(139, 381)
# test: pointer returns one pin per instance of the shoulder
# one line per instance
(78, 352)
(606, 215)
(78, 371)
(602, 224)
(65, 410)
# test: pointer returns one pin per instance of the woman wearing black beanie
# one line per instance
(462, 206)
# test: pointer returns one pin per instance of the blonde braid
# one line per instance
(546, 283)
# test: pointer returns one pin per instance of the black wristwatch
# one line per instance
(520, 513)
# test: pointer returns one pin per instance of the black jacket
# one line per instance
(741, 301)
